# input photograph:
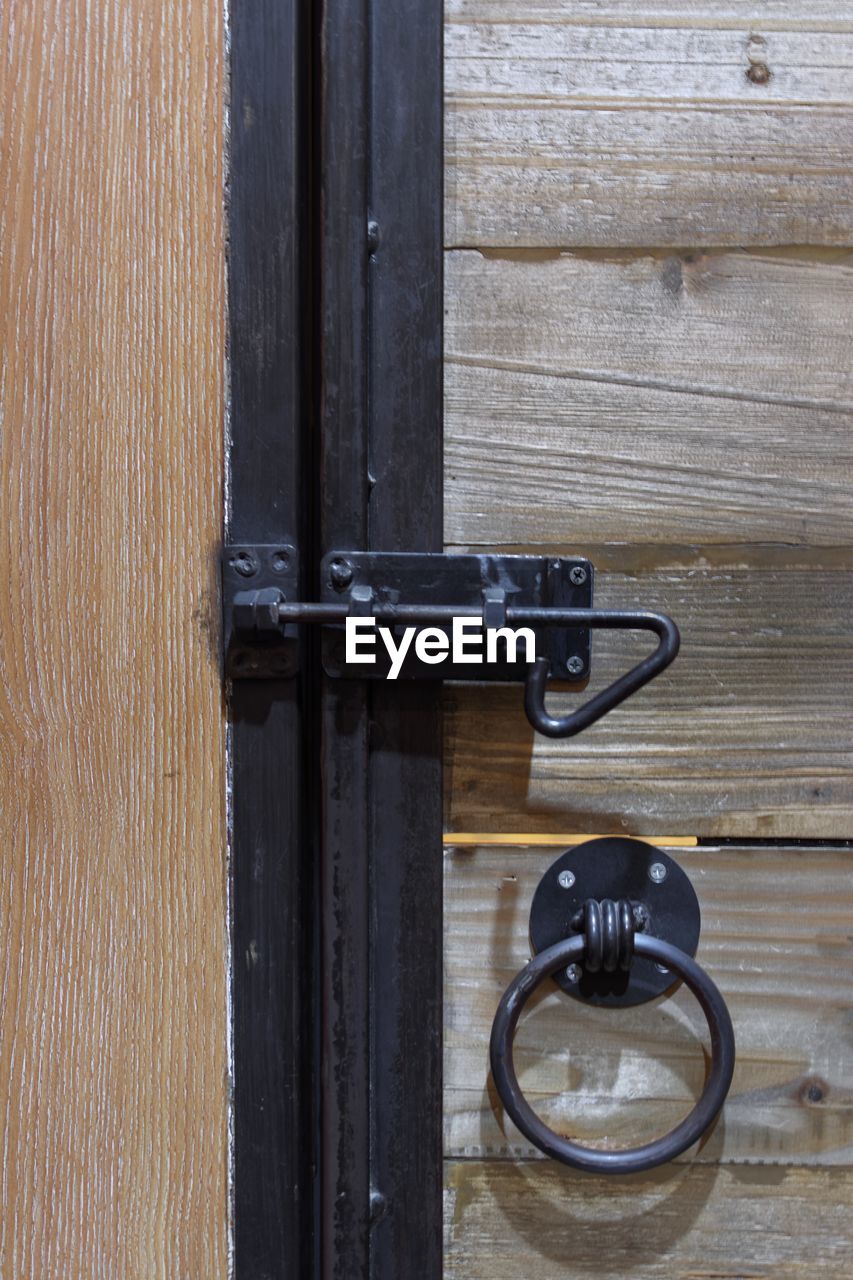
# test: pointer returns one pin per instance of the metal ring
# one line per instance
(631, 1159)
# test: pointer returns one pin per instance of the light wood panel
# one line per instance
(665, 124)
(776, 940)
(508, 1221)
(113, 1057)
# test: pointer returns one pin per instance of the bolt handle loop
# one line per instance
(567, 726)
(632, 1159)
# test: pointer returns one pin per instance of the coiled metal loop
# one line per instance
(608, 927)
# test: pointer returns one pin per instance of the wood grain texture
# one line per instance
(686, 421)
(776, 939)
(617, 411)
(507, 1221)
(113, 1056)
(748, 734)
(649, 398)
(580, 125)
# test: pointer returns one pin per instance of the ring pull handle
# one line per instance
(610, 939)
(567, 726)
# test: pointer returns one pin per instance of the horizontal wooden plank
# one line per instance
(776, 938)
(511, 1222)
(776, 15)
(570, 126)
(747, 734)
(649, 398)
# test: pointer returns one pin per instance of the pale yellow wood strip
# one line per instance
(747, 734)
(113, 947)
(512, 1222)
(776, 939)
(458, 838)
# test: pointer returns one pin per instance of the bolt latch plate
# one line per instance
(258, 579)
(486, 582)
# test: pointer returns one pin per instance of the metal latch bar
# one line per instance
(552, 597)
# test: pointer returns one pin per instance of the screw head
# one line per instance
(566, 879)
(244, 563)
(574, 665)
(657, 872)
(573, 973)
(661, 968)
(340, 574)
(577, 575)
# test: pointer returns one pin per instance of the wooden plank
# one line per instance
(509, 1222)
(113, 1057)
(672, 124)
(775, 939)
(669, 400)
(747, 734)
(538, 459)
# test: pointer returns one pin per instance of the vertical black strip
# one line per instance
(406, 515)
(381, 417)
(343, 410)
(272, 965)
(336, 120)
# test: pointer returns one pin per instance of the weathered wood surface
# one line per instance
(113, 1056)
(672, 124)
(648, 397)
(748, 734)
(686, 420)
(776, 939)
(509, 1221)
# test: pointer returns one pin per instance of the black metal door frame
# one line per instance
(335, 291)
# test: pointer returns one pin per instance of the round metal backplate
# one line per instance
(615, 867)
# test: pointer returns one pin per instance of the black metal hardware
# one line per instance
(549, 596)
(423, 589)
(632, 1159)
(615, 868)
(614, 922)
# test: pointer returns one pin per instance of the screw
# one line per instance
(577, 575)
(566, 879)
(245, 564)
(574, 665)
(661, 968)
(340, 574)
(573, 973)
(657, 872)
(373, 235)
(280, 561)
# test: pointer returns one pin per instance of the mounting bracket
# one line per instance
(551, 598)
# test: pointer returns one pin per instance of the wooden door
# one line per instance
(648, 359)
(113, 1055)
